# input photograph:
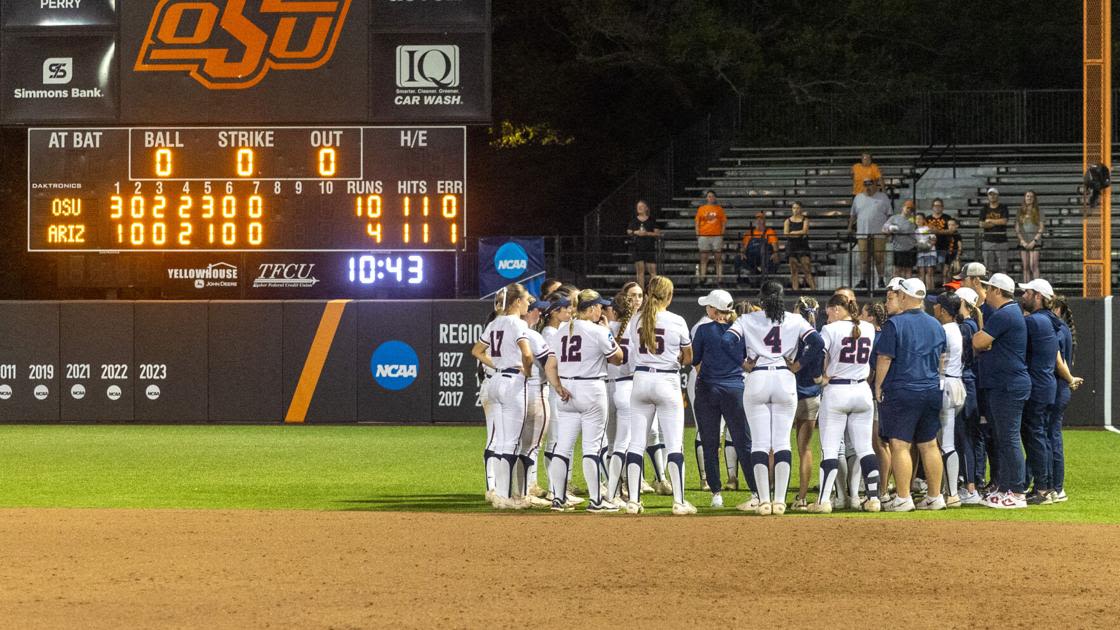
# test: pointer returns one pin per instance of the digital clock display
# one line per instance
(371, 269)
(261, 189)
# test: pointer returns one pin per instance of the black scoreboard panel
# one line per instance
(256, 189)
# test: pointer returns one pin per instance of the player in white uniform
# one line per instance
(847, 404)
(585, 348)
(558, 315)
(482, 376)
(947, 308)
(537, 389)
(769, 338)
(660, 344)
(621, 378)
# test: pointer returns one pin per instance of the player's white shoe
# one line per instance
(683, 509)
(1061, 497)
(646, 488)
(765, 509)
(537, 491)
(731, 484)
(664, 488)
(871, 504)
(970, 498)
(749, 506)
(824, 507)
(602, 507)
(490, 496)
(633, 507)
(717, 501)
(511, 503)
(800, 505)
(898, 504)
(778, 508)
(538, 502)
(573, 500)
(619, 503)
(952, 501)
(931, 503)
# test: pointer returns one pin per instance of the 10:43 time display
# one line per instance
(371, 269)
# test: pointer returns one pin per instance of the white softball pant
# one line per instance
(584, 414)
(846, 408)
(657, 394)
(770, 400)
(507, 400)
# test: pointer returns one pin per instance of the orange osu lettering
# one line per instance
(231, 46)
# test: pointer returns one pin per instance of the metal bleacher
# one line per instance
(750, 180)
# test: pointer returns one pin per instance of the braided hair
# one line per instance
(1060, 303)
(770, 297)
(840, 301)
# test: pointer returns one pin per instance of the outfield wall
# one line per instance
(303, 361)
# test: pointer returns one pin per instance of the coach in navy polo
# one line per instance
(907, 385)
(1001, 352)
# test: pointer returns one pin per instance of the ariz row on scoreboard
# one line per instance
(246, 189)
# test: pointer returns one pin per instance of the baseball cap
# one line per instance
(968, 295)
(1038, 285)
(599, 301)
(913, 287)
(540, 305)
(718, 299)
(895, 284)
(993, 189)
(952, 285)
(1000, 281)
(972, 270)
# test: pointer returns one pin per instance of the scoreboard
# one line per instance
(262, 189)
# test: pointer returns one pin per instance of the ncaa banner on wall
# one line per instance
(502, 260)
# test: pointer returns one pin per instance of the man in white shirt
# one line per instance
(870, 210)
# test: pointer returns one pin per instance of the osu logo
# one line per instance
(224, 46)
(394, 365)
(511, 261)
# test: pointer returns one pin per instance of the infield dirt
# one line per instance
(303, 569)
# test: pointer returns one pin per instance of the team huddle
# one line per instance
(923, 399)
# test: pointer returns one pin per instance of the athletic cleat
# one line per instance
(602, 507)
(731, 484)
(561, 507)
(574, 489)
(683, 509)
(490, 494)
(765, 509)
(573, 500)
(970, 498)
(824, 507)
(646, 488)
(1053, 494)
(717, 501)
(871, 504)
(633, 507)
(512, 503)
(748, 506)
(619, 503)
(841, 503)
(800, 504)
(778, 508)
(1040, 499)
(538, 502)
(952, 501)
(537, 491)
(898, 504)
(664, 488)
(918, 486)
(931, 503)
(1008, 501)
(704, 485)
(1060, 496)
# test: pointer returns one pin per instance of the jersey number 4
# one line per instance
(571, 350)
(774, 339)
(496, 342)
(855, 350)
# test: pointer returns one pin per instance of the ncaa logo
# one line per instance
(5, 391)
(511, 261)
(427, 66)
(394, 365)
(58, 70)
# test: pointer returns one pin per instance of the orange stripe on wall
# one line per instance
(316, 359)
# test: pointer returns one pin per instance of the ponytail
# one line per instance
(1059, 301)
(807, 307)
(624, 308)
(770, 297)
(658, 296)
(878, 312)
(840, 301)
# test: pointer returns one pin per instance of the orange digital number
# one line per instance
(163, 163)
(116, 207)
(245, 160)
(328, 162)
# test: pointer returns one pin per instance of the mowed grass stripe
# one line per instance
(421, 468)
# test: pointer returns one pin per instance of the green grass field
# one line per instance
(426, 468)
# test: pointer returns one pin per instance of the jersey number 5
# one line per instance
(855, 350)
(571, 349)
(774, 339)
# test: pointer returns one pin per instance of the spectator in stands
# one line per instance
(643, 230)
(1029, 229)
(901, 229)
(710, 223)
(926, 244)
(798, 254)
(938, 223)
(759, 251)
(870, 210)
(863, 171)
(952, 262)
(993, 221)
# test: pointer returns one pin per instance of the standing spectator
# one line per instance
(993, 222)
(926, 244)
(938, 223)
(643, 229)
(908, 388)
(863, 171)
(1001, 350)
(1029, 229)
(797, 248)
(901, 229)
(952, 262)
(870, 210)
(758, 252)
(710, 222)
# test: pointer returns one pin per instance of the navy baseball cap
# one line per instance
(540, 305)
(561, 303)
(600, 301)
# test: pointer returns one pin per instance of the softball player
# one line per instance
(505, 348)
(622, 379)
(536, 408)
(947, 308)
(847, 404)
(585, 348)
(558, 314)
(482, 376)
(808, 409)
(660, 344)
(768, 339)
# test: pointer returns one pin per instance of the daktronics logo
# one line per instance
(394, 365)
(226, 46)
(58, 70)
(511, 261)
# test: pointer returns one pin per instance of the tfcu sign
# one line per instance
(233, 44)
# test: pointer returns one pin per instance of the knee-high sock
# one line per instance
(634, 463)
(841, 473)
(854, 473)
(869, 464)
(531, 468)
(731, 459)
(526, 466)
(503, 474)
(657, 458)
(517, 477)
(591, 467)
(614, 474)
(760, 467)
(558, 466)
(604, 457)
(700, 457)
(829, 469)
(952, 471)
(782, 461)
(488, 464)
(676, 476)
